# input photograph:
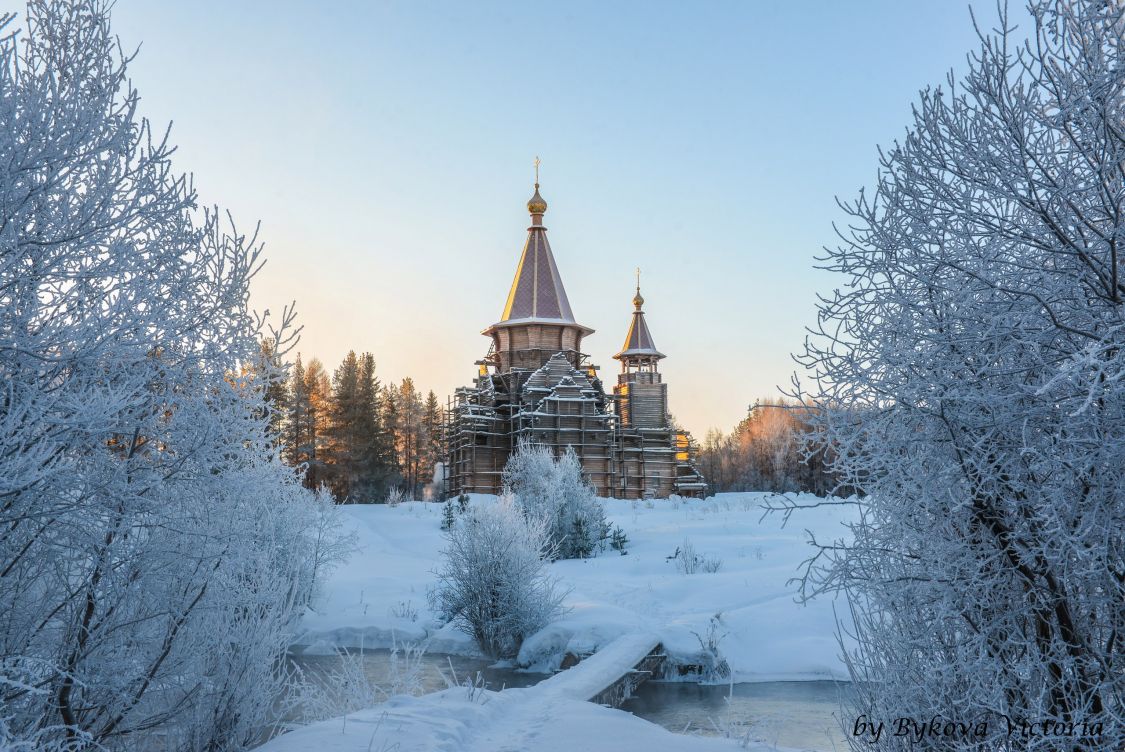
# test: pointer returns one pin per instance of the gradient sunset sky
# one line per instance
(387, 150)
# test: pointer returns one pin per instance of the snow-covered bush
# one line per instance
(154, 553)
(555, 488)
(972, 367)
(493, 579)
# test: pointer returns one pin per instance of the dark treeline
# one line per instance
(767, 451)
(363, 440)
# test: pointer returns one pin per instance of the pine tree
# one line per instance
(409, 436)
(355, 436)
(296, 443)
(317, 422)
(359, 451)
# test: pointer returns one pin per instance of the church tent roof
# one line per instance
(537, 289)
(638, 341)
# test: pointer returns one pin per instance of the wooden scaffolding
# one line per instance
(536, 384)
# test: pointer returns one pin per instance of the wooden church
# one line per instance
(535, 383)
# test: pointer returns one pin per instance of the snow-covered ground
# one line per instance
(379, 598)
(510, 721)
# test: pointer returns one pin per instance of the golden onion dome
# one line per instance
(638, 301)
(536, 205)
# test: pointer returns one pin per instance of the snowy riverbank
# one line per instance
(379, 596)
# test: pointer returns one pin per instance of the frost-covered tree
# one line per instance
(555, 489)
(270, 372)
(972, 378)
(154, 553)
(493, 580)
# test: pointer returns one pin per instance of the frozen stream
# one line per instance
(435, 668)
(800, 715)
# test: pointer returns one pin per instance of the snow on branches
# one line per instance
(971, 380)
(493, 579)
(154, 554)
(555, 489)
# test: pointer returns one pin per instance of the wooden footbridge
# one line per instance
(515, 720)
(609, 676)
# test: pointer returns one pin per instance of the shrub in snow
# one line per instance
(554, 488)
(154, 553)
(973, 376)
(690, 562)
(395, 497)
(404, 610)
(474, 686)
(711, 564)
(493, 581)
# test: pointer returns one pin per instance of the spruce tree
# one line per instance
(342, 448)
(389, 410)
(410, 436)
(296, 421)
(432, 430)
(375, 444)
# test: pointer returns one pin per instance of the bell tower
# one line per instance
(642, 398)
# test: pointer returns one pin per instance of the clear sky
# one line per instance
(387, 150)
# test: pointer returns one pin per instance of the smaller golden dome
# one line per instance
(638, 301)
(537, 205)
